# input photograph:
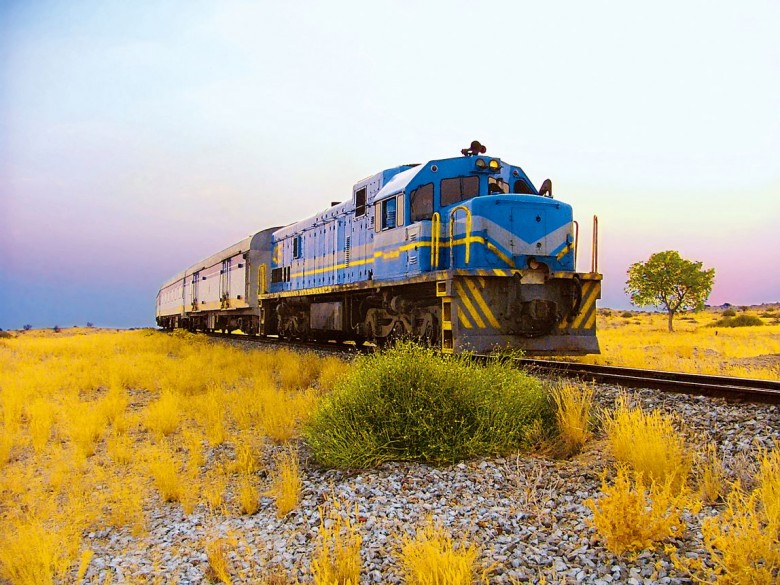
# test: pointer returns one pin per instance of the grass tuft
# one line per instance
(742, 540)
(633, 515)
(286, 484)
(648, 442)
(433, 558)
(573, 404)
(337, 555)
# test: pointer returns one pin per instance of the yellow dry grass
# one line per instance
(642, 341)
(337, 557)
(635, 514)
(432, 557)
(97, 426)
(649, 442)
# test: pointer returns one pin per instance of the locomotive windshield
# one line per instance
(457, 189)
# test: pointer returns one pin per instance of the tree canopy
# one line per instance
(670, 281)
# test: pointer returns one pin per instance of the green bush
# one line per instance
(741, 321)
(626, 314)
(411, 403)
(729, 313)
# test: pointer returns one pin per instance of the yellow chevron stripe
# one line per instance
(466, 301)
(464, 320)
(564, 251)
(591, 322)
(482, 304)
(588, 304)
(481, 282)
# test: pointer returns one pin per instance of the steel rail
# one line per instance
(738, 389)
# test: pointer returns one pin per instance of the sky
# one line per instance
(138, 137)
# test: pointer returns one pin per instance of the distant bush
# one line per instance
(741, 321)
(626, 314)
(729, 313)
(410, 403)
(5, 334)
(56, 329)
(27, 327)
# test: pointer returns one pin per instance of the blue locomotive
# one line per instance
(461, 253)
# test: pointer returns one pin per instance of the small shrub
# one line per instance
(27, 327)
(729, 313)
(648, 442)
(632, 515)
(56, 329)
(627, 314)
(337, 554)
(433, 558)
(740, 321)
(410, 403)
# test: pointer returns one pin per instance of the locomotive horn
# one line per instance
(546, 188)
(474, 149)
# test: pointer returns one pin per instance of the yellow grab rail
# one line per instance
(261, 280)
(435, 239)
(452, 232)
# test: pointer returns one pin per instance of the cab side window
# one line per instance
(388, 213)
(523, 188)
(458, 189)
(421, 202)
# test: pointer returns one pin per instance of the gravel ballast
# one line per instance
(527, 514)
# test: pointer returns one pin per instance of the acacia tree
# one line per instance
(670, 281)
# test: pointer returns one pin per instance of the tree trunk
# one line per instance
(671, 316)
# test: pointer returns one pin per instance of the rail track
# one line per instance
(735, 389)
(738, 389)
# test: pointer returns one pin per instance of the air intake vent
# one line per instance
(347, 248)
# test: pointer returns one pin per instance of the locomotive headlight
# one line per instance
(494, 165)
(481, 164)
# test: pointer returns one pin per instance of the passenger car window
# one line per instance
(458, 189)
(421, 201)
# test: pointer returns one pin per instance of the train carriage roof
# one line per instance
(255, 241)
